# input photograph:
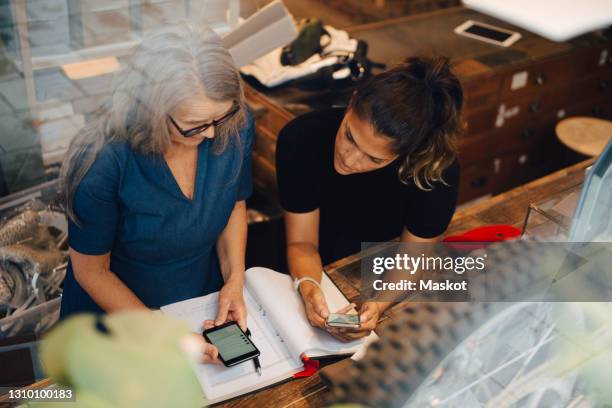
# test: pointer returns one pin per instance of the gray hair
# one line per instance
(168, 66)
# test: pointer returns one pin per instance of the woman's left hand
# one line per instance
(199, 350)
(231, 306)
(368, 317)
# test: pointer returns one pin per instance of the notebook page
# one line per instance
(220, 382)
(284, 306)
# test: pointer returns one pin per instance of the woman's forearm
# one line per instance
(231, 245)
(304, 261)
(303, 258)
(108, 291)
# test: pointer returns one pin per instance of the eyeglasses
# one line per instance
(199, 129)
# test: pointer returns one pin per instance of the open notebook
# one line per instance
(279, 328)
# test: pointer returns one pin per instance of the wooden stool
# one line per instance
(585, 135)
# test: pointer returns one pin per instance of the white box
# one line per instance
(269, 28)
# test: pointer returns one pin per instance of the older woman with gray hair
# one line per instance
(155, 185)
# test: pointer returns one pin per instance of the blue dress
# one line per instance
(162, 244)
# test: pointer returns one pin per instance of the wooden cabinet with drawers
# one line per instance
(513, 96)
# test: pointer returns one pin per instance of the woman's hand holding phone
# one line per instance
(317, 313)
(200, 351)
(368, 317)
(210, 354)
(232, 305)
(315, 304)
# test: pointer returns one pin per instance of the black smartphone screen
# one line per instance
(233, 344)
(488, 33)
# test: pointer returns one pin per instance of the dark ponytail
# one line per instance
(418, 105)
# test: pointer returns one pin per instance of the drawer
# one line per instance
(502, 173)
(267, 115)
(264, 177)
(482, 178)
(529, 166)
(593, 60)
(595, 86)
(546, 75)
(535, 106)
(481, 121)
(491, 144)
(265, 144)
(598, 107)
(480, 93)
(509, 114)
(477, 102)
(272, 122)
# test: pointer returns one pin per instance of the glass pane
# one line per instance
(57, 60)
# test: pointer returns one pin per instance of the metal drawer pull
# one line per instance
(534, 106)
(527, 133)
(540, 78)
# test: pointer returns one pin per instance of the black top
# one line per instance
(364, 207)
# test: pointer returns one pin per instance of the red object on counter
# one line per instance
(310, 367)
(488, 233)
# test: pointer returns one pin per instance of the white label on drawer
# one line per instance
(522, 159)
(499, 121)
(519, 80)
(512, 112)
(503, 114)
(496, 165)
(603, 57)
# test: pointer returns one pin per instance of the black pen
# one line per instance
(256, 359)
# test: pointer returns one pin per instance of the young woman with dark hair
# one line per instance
(383, 167)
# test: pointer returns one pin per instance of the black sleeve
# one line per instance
(429, 212)
(295, 172)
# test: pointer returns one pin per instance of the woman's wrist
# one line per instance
(235, 279)
(306, 288)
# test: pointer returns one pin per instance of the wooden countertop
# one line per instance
(507, 208)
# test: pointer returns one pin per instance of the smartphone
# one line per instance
(488, 33)
(343, 320)
(233, 344)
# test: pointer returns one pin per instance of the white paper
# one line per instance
(275, 293)
(219, 382)
(279, 329)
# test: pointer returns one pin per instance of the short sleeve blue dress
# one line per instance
(162, 244)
